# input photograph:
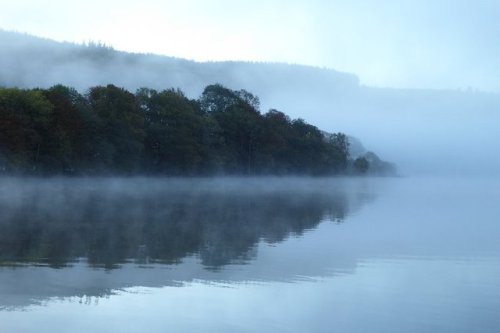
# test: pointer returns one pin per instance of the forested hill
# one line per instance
(29, 62)
(416, 128)
(110, 130)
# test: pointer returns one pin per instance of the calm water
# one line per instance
(254, 255)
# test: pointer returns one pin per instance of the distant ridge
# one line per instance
(416, 128)
(28, 62)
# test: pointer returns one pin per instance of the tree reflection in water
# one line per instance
(110, 221)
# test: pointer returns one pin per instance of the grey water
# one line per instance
(249, 255)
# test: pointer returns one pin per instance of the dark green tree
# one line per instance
(174, 132)
(338, 151)
(240, 125)
(361, 165)
(277, 150)
(123, 124)
(25, 119)
(110, 130)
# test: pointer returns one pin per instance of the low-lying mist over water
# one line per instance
(208, 224)
(110, 221)
(350, 182)
(113, 252)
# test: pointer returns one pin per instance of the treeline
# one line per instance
(110, 130)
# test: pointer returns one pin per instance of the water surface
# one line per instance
(249, 255)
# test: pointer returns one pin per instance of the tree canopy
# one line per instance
(110, 130)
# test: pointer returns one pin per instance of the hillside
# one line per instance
(415, 128)
(29, 62)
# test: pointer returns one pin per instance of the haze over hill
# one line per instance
(423, 131)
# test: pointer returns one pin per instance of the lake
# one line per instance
(249, 255)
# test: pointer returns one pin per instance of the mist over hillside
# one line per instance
(423, 131)
(28, 61)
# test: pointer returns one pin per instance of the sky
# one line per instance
(444, 44)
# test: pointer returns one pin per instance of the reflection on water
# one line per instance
(251, 255)
(112, 221)
(155, 232)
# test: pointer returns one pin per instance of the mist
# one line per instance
(265, 166)
(425, 132)
(102, 246)
(126, 225)
(112, 220)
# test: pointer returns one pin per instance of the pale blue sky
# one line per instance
(392, 43)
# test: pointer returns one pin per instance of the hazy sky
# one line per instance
(394, 43)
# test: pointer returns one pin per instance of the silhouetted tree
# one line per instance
(173, 141)
(25, 119)
(111, 130)
(123, 125)
(339, 151)
(361, 165)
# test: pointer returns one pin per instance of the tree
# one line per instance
(65, 140)
(361, 165)
(217, 98)
(25, 117)
(309, 150)
(277, 150)
(240, 126)
(123, 125)
(111, 130)
(339, 151)
(173, 142)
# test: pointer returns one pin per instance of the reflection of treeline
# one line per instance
(110, 224)
(110, 130)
